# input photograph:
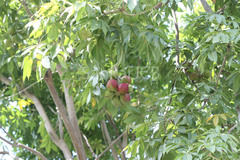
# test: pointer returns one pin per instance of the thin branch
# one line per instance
(177, 36)
(109, 147)
(16, 144)
(122, 144)
(106, 133)
(8, 153)
(8, 134)
(6, 81)
(235, 126)
(27, 9)
(223, 63)
(88, 145)
(212, 157)
(4, 152)
(206, 6)
(219, 74)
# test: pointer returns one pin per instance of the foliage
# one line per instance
(185, 100)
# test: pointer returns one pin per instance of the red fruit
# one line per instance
(126, 79)
(112, 85)
(126, 98)
(123, 88)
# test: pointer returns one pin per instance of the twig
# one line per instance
(177, 36)
(113, 142)
(88, 145)
(23, 90)
(224, 61)
(27, 9)
(106, 133)
(212, 156)
(235, 126)
(16, 144)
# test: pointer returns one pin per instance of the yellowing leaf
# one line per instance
(94, 102)
(145, 94)
(215, 121)
(223, 116)
(210, 118)
(24, 103)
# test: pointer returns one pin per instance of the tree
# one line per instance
(57, 57)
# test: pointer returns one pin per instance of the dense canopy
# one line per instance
(114, 79)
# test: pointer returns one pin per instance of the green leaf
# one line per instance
(46, 62)
(88, 97)
(10, 66)
(211, 148)
(187, 157)
(213, 56)
(105, 27)
(53, 32)
(216, 39)
(48, 147)
(190, 4)
(215, 120)
(61, 60)
(27, 67)
(97, 91)
(90, 10)
(95, 80)
(236, 83)
(95, 25)
(132, 4)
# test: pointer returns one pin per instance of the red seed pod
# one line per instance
(123, 88)
(126, 79)
(112, 85)
(126, 97)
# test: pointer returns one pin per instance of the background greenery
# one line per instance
(182, 56)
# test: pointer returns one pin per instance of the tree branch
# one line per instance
(219, 74)
(235, 126)
(16, 144)
(206, 6)
(89, 146)
(110, 145)
(60, 127)
(61, 107)
(177, 36)
(223, 63)
(105, 130)
(60, 143)
(27, 9)
(8, 153)
(71, 111)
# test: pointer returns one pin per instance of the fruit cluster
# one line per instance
(119, 93)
